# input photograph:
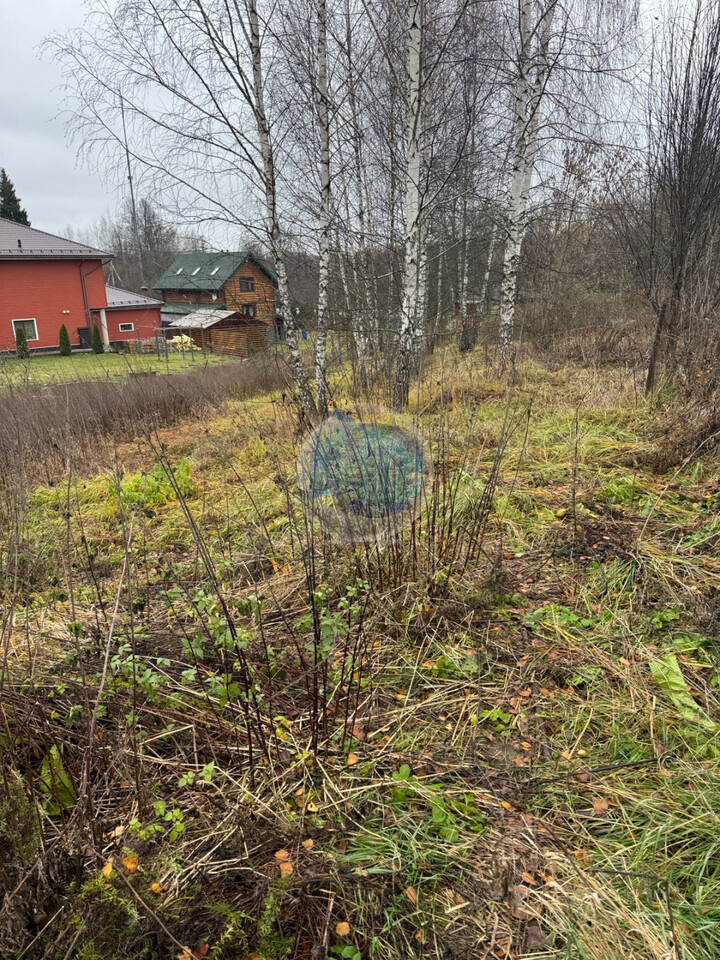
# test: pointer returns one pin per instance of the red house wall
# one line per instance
(144, 319)
(43, 289)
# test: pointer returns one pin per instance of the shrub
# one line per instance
(21, 344)
(65, 346)
(97, 343)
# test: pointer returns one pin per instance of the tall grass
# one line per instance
(40, 429)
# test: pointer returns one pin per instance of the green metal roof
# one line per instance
(182, 309)
(207, 271)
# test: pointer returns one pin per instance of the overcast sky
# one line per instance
(54, 189)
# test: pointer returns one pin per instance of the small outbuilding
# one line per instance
(224, 331)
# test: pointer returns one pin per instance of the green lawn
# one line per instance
(44, 370)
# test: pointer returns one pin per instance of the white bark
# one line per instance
(482, 298)
(323, 111)
(464, 338)
(532, 69)
(271, 210)
(412, 267)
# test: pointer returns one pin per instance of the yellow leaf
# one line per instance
(313, 807)
(157, 887)
(282, 854)
(342, 929)
(108, 869)
(286, 869)
(309, 843)
(130, 862)
(352, 759)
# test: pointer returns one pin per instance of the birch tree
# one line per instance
(563, 56)
(532, 68)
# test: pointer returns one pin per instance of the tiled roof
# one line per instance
(118, 298)
(18, 242)
(207, 271)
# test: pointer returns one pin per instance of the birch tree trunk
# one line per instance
(529, 86)
(323, 109)
(412, 205)
(464, 335)
(482, 298)
(271, 211)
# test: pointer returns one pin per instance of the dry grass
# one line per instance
(455, 759)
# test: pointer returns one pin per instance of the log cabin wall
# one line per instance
(190, 296)
(263, 296)
(239, 341)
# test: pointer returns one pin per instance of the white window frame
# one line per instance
(178, 272)
(214, 271)
(126, 327)
(26, 320)
(195, 272)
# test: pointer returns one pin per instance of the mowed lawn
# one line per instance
(43, 370)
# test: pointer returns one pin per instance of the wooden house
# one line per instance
(223, 331)
(237, 283)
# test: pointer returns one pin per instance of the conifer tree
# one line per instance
(21, 346)
(97, 343)
(9, 204)
(65, 346)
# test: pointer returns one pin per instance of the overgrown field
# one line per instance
(225, 736)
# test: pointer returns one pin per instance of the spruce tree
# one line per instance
(97, 343)
(65, 347)
(21, 346)
(9, 204)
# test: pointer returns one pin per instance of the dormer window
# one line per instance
(214, 271)
(196, 271)
(178, 272)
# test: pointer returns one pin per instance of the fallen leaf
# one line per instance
(342, 929)
(600, 806)
(282, 854)
(352, 759)
(130, 862)
(358, 731)
(412, 895)
(157, 887)
(533, 935)
(313, 807)
(201, 951)
(309, 843)
(528, 878)
(286, 869)
(118, 832)
(108, 869)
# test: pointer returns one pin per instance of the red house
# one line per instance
(46, 281)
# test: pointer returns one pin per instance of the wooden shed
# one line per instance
(224, 331)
